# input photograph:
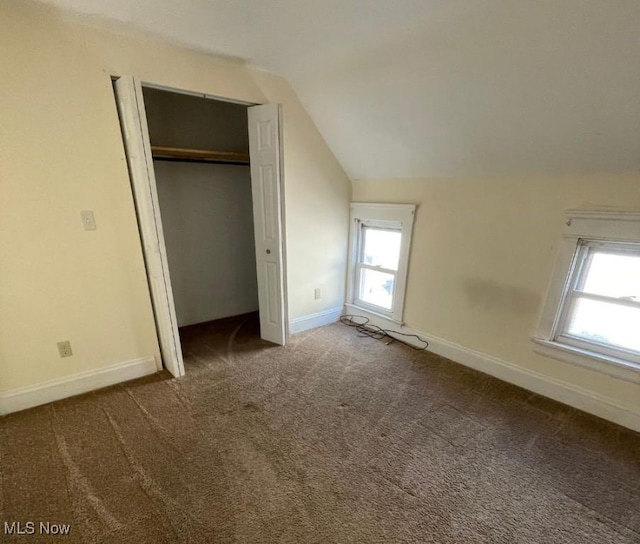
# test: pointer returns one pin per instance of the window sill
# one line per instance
(617, 368)
(361, 309)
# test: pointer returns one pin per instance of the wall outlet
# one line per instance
(88, 220)
(317, 293)
(64, 349)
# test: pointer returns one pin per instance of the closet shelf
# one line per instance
(198, 155)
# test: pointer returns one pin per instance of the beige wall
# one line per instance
(481, 260)
(61, 152)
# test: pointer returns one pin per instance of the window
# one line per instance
(377, 264)
(380, 238)
(592, 314)
(602, 308)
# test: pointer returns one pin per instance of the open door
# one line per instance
(266, 188)
(268, 212)
(135, 134)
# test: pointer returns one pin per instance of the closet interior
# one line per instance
(200, 150)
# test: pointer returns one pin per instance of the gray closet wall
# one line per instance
(206, 209)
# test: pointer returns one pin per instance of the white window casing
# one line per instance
(604, 231)
(388, 218)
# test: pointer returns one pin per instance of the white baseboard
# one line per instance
(546, 386)
(313, 321)
(22, 398)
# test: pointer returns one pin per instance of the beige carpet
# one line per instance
(334, 438)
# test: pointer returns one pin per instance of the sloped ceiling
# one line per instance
(434, 88)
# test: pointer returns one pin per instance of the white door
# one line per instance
(133, 120)
(266, 188)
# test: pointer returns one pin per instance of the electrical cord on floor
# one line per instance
(365, 328)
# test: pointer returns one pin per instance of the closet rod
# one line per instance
(199, 155)
(202, 161)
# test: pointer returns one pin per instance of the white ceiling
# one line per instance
(434, 88)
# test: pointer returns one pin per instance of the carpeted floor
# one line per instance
(334, 438)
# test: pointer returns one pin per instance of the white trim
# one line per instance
(175, 90)
(617, 368)
(607, 215)
(313, 321)
(558, 390)
(283, 233)
(383, 206)
(22, 398)
(610, 226)
(354, 310)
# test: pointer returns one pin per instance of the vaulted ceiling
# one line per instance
(434, 88)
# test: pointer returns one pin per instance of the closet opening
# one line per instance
(206, 180)
(200, 150)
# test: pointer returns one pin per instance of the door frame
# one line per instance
(169, 328)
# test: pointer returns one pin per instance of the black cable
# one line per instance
(367, 329)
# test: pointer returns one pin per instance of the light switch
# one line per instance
(88, 220)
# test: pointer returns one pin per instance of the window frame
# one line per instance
(585, 229)
(398, 217)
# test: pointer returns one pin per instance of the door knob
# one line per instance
(268, 251)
